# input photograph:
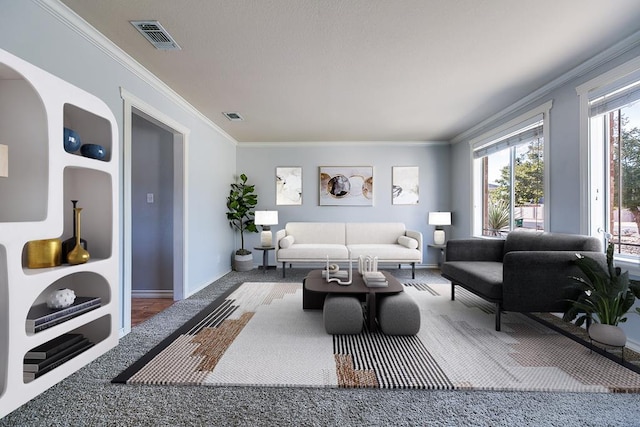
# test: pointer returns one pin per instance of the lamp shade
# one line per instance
(266, 218)
(439, 218)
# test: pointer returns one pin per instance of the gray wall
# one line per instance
(152, 223)
(259, 162)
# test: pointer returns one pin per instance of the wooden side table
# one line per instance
(265, 256)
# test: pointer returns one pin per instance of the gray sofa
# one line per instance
(527, 272)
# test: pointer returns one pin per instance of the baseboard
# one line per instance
(151, 293)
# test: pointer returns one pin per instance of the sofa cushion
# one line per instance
(389, 253)
(287, 241)
(374, 232)
(317, 232)
(408, 242)
(484, 277)
(527, 240)
(313, 252)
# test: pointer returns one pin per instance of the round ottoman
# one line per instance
(342, 314)
(398, 314)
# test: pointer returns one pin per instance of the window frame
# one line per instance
(512, 126)
(592, 183)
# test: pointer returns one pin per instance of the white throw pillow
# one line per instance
(408, 242)
(286, 241)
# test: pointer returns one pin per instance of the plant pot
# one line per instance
(608, 334)
(243, 262)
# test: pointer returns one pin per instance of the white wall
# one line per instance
(58, 48)
(259, 162)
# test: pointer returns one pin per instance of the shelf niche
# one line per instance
(23, 122)
(91, 129)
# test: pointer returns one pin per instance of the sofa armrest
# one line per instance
(474, 250)
(415, 235)
(538, 281)
(280, 234)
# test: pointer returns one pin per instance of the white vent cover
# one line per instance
(156, 34)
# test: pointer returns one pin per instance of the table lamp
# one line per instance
(266, 219)
(439, 219)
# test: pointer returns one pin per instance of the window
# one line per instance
(614, 142)
(509, 176)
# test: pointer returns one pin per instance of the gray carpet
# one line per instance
(88, 398)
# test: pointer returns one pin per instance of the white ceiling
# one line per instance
(361, 70)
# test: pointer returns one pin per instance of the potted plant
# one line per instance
(240, 204)
(606, 296)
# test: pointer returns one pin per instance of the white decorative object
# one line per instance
(331, 277)
(266, 219)
(61, 298)
(367, 264)
(438, 219)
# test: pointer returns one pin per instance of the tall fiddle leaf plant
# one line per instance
(241, 203)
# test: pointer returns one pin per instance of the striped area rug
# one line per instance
(259, 335)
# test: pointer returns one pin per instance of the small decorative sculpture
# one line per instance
(61, 298)
(367, 264)
(328, 271)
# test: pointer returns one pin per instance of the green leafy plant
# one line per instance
(240, 204)
(607, 294)
(497, 217)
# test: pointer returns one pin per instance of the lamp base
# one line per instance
(438, 237)
(266, 238)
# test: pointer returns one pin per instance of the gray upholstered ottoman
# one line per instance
(398, 314)
(342, 314)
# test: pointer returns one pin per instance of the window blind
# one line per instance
(524, 136)
(615, 96)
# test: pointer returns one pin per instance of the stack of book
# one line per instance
(52, 354)
(41, 317)
(374, 279)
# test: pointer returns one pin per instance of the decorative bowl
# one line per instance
(93, 151)
(71, 140)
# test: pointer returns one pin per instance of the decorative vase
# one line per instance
(70, 243)
(61, 298)
(608, 334)
(93, 151)
(78, 254)
(43, 253)
(71, 140)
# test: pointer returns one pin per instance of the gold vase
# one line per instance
(43, 253)
(78, 254)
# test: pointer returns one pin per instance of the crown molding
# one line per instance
(587, 66)
(74, 22)
(370, 144)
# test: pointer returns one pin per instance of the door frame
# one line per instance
(134, 105)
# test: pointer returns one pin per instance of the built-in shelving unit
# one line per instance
(35, 204)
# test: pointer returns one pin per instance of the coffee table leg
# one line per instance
(371, 310)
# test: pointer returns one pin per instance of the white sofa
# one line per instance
(391, 242)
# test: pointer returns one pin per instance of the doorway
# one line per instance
(154, 205)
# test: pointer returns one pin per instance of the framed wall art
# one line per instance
(404, 185)
(288, 186)
(346, 186)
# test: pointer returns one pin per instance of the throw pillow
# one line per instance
(286, 241)
(408, 242)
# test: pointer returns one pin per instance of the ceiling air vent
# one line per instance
(234, 117)
(156, 34)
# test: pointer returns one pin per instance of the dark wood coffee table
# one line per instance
(315, 288)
